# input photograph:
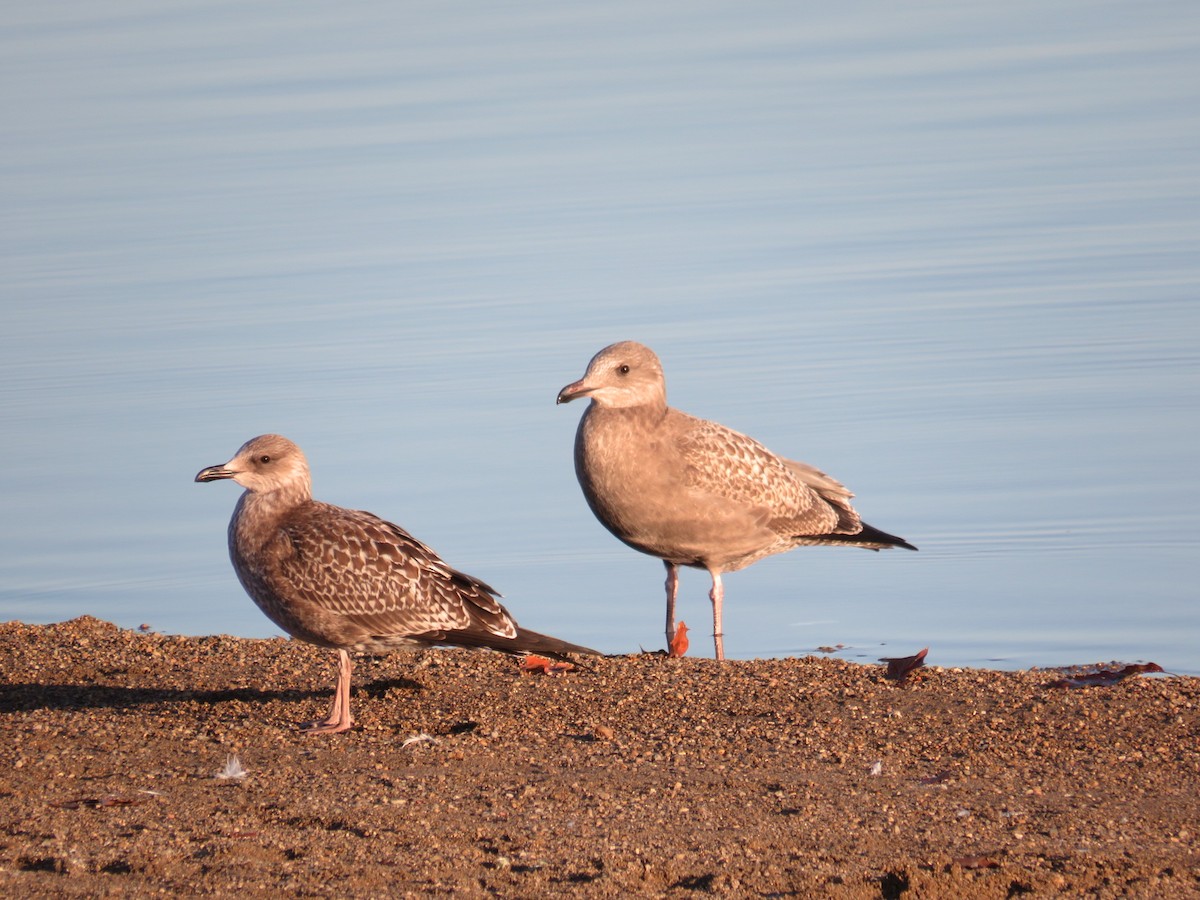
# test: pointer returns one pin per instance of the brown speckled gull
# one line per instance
(693, 492)
(348, 580)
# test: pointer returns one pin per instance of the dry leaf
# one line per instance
(1105, 677)
(899, 667)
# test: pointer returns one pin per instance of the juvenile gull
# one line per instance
(348, 580)
(693, 492)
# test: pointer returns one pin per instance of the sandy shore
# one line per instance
(641, 776)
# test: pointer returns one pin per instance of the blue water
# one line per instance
(948, 254)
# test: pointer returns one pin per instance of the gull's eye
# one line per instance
(264, 459)
(623, 369)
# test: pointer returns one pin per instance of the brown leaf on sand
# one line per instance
(679, 643)
(539, 665)
(1105, 677)
(899, 667)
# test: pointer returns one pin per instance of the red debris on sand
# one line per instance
(899, 667)
(539, 665)
(679, 643)
(1105, 677)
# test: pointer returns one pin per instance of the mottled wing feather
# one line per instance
(833, 492)
(795, 498)
(377, 575)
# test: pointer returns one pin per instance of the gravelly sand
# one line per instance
(641, 776)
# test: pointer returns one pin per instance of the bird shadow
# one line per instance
(382, 686)
(31, 696)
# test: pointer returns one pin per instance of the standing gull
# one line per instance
(348, 580)
(693, 492)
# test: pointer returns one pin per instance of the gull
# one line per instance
(693, 492)
(349, 580)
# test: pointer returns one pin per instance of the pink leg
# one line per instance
(339, 718)
(717, 596)
(672, 590)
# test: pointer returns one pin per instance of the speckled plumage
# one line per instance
(693, 492)
(349, 580)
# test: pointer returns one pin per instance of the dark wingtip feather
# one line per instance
(874, 536)
(525, 642)
(869, 537)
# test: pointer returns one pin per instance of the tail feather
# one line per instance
(526, 641)
(869, 537)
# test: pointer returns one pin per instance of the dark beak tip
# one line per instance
(572, 391)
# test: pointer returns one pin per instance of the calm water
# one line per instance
(948, 254)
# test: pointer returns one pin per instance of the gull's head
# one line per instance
(621, 375)
(267, 463)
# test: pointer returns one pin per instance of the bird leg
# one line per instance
(672, 590)
(717, 596)
(339, 718)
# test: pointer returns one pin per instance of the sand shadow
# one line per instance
(32, 696)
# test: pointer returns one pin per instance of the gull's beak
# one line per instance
(573, 391)
(215, 473)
